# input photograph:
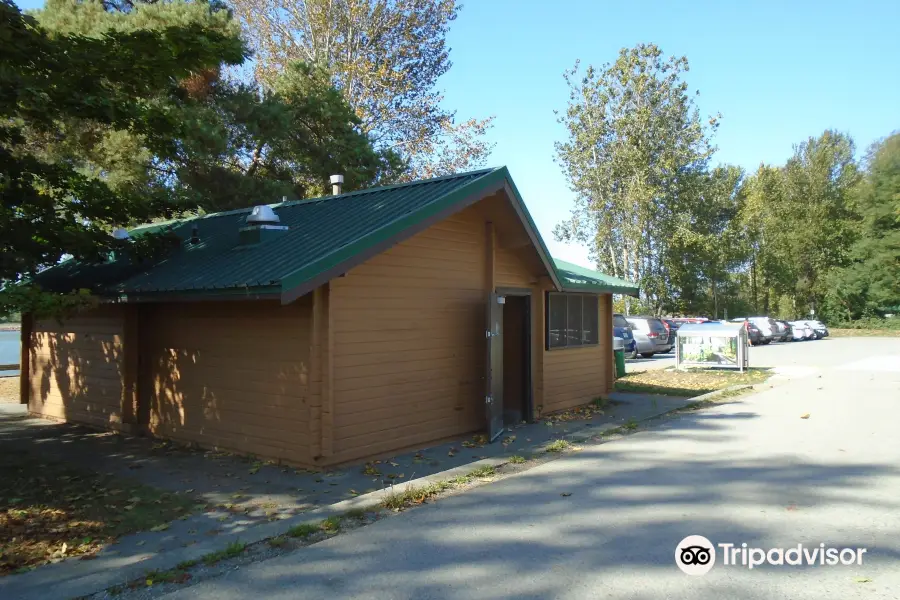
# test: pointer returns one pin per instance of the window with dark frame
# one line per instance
(572, 320)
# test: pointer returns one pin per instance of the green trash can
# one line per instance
(620, 363)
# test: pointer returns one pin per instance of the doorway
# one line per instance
(516, 356)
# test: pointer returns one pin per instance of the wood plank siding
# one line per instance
(390, 355)
(575, 376)
(75, 368)
(409, 350)
(230, 375)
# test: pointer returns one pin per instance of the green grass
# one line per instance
(688, 383)
(187, 564)
(841, 332)
(331, 524)
(302, 530)
(355, 513)
(232, 550)
(482, 472)
(601, 402)
(516, 459)
(170, 576)
(278, 541)
(414, 495)
(558, 446)
(630, 425)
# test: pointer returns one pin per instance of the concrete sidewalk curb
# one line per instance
(81, 578)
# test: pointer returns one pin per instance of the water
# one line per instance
(9, 350)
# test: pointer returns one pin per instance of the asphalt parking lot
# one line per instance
(810, 459)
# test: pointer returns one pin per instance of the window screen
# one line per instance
(589, 321)
(572, 320)
(556, 322)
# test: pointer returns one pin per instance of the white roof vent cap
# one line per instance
(120, 234)
(262, 214)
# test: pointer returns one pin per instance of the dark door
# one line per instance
(494, 392)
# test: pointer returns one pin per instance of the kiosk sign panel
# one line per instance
(712, 345)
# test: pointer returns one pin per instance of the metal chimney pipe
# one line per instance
(337, 182)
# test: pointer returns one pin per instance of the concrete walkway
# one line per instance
(605, 522)
(249, 500)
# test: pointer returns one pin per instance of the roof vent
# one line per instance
(337, 184)
(120, 234)
(262, 215)
(262, 224)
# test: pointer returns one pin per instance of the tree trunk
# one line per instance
(715, 296)
(753, 285)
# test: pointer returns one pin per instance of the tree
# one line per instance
(820, 180)
(801, 222)
(232, 144)
(707, 244)
(636, 152)
(385, 56)
(50, 208)
(870, 285)
(770, 229)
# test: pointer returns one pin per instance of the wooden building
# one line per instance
(331, 330)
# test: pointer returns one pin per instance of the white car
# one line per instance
(818, 326)
(767, 328)
(802, 331)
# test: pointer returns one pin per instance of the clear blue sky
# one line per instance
(778, 72)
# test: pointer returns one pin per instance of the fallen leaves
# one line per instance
(690, 382)
(57, 511)
(371, 470)
(804, 416)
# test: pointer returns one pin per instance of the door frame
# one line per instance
(528, 294)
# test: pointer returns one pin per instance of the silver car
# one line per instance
(651, 335)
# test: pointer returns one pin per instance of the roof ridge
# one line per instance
(288, 203)
(392, 186)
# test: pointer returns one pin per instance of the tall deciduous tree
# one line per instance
(707, 245)
(636, 149)
(820, 180)
(386, 57)
(801, 220)
(870, 285)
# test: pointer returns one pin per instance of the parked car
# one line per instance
(818, 326)
(754, 335)
(808, 333)
(682, 320)
(672, 329)
(781, 333)
(767, 328)
(788, 334)
(651, 335)
(622, 329)
(799, 331)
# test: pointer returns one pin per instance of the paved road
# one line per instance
(751, 472)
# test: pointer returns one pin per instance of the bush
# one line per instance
(892, 324)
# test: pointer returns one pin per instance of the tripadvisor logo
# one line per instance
(696, 555)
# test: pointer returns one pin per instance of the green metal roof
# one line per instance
(325, 237)
(580, 279)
